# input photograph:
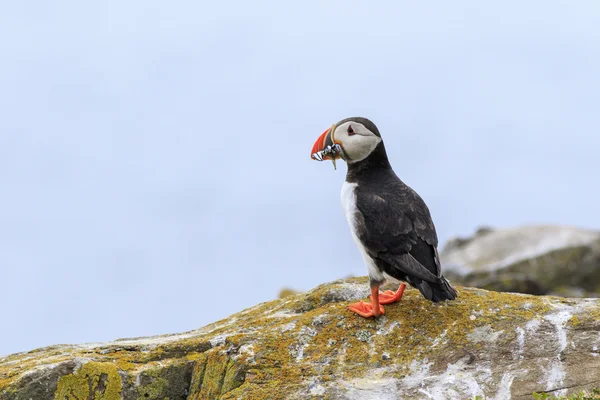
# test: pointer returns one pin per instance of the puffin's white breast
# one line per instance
(350, 209)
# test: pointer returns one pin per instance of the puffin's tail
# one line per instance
(436, 292)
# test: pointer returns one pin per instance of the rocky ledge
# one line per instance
(488, 344)
(535, 259)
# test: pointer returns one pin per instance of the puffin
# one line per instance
(389, 221)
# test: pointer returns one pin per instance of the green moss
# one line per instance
(165, 381)
(152, 385)
(154, 390)
(234, 376)
(594, 394)
(98, 381)
(197, 378)
(216, 374)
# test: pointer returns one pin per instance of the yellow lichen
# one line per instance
(574, 321)
(214, 374)
(99, 381)
(197, 378)
(268, 350)
(155, 389)
(194, 356)
(122, 361)
(4, 383)
(418, 324)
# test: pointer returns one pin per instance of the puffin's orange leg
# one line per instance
(389, 297)
(367, 310)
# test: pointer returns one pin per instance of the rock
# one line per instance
(485, 343)
(538, 260)
(460, 242)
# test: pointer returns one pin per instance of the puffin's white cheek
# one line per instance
(360, 147)
(352, 149)
(356, 148)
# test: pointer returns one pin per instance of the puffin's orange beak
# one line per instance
(322, 142)
(322, 149)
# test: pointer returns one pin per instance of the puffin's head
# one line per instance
(351, 139)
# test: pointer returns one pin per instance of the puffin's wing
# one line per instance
(397, 230)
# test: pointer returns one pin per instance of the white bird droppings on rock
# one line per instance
(559, 319)
(457, 381)
(351, 291)
(503, 392)
(554, 377)
(288, 327)
(371, 389)
(520, 342)
(282, 314)
(218, 340)
(418, 372)
(317, 390)
(483, 334)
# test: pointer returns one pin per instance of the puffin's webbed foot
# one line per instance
(366, 309)
(389, 297)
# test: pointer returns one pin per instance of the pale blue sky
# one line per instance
(154, 156)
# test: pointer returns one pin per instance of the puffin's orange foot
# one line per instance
(388, 296)
(366, 309)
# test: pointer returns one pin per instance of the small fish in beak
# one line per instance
(328, 153)
(326, 148)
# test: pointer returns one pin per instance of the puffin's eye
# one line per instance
(350, 130)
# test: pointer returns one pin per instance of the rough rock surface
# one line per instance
(545, 259)
(489, 344)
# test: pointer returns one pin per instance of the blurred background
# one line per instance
(154, 157)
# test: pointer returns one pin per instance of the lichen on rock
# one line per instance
(91, 380)
(489, 344)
